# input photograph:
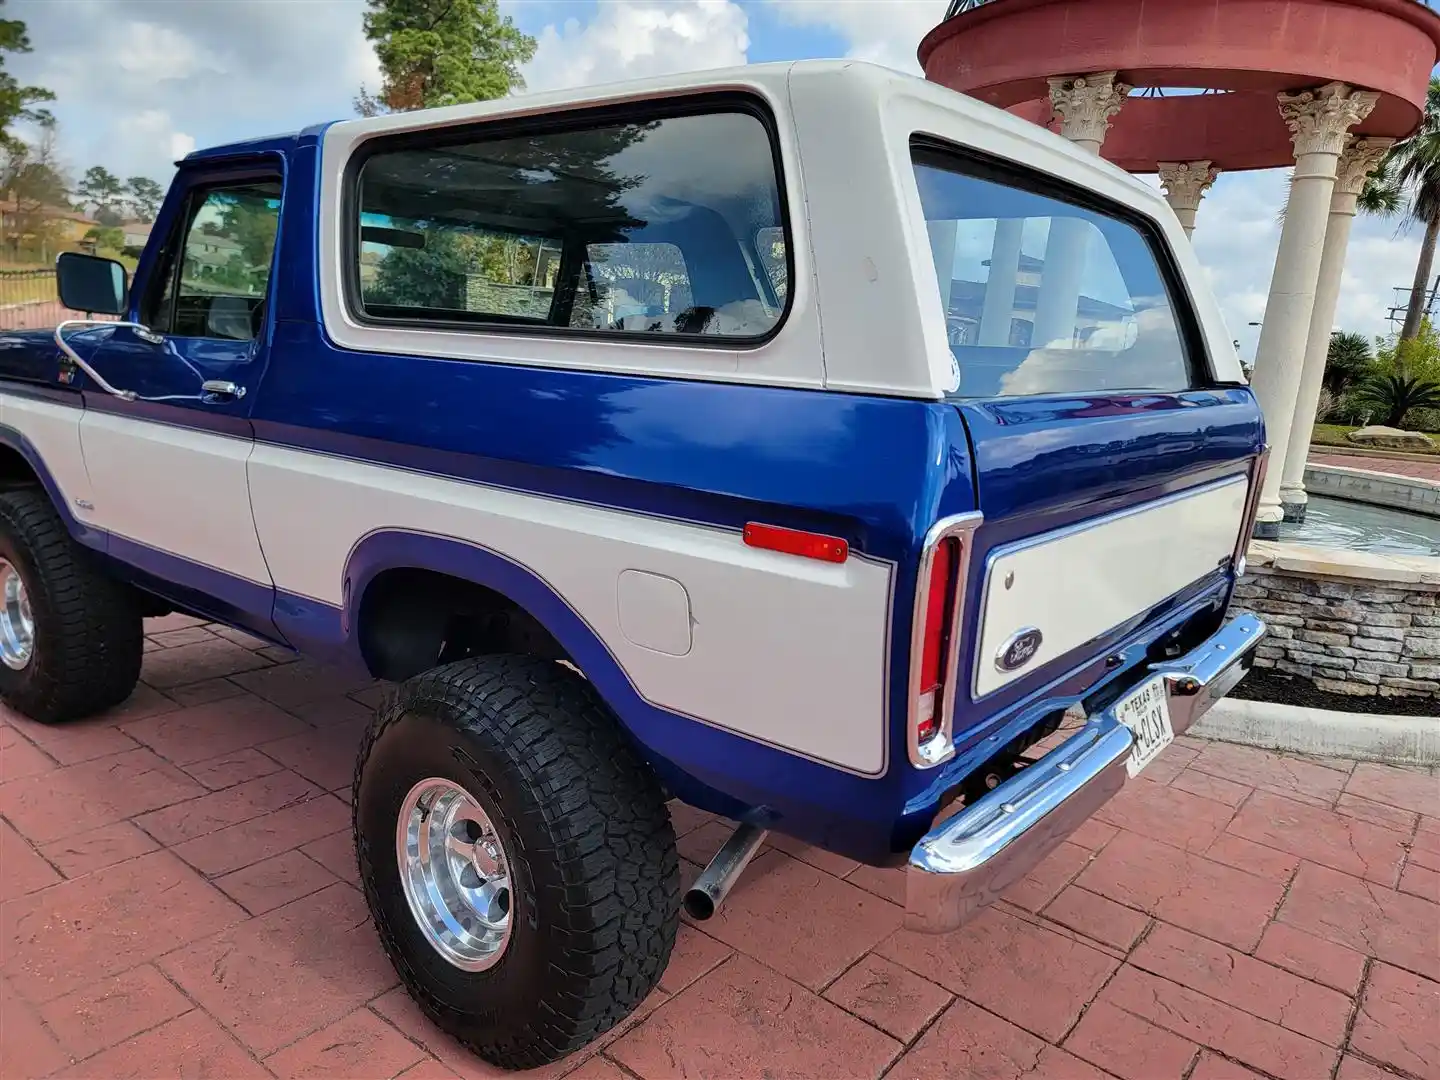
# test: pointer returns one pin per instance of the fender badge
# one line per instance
(1019, 649)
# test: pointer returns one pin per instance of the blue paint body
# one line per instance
(860, 467)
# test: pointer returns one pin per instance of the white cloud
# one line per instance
(213, 71)
(628, 40)
(159, 53)
(1378, 262)
(151, 134)
(180, 144)
(882, 31)
(137, 81)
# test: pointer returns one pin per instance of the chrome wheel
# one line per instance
(455, 874)
(17, 625)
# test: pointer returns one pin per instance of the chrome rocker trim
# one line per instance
(968, 860)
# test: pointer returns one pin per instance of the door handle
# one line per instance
(223, 388)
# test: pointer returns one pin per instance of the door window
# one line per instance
(216, 279)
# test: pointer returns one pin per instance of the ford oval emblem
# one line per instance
(1019, 649)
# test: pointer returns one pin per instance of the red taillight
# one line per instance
(794, 542)
(935, 671)
(935, 638)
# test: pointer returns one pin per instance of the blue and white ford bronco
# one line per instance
(805, 442)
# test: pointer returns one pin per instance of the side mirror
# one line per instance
(90, 283)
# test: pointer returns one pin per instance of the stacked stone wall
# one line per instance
(1348, 636)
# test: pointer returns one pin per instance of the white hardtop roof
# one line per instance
(854, 121)
(771, 79)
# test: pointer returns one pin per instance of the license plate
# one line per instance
(1146, 712)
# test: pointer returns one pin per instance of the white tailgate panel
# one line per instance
(1079, 582)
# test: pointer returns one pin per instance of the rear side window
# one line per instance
(648, 227)
(1041, 295)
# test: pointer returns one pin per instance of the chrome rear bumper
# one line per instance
(968, 860)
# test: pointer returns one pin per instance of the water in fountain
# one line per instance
(1352, 526)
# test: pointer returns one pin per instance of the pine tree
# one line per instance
(18, 102)
(442, 52)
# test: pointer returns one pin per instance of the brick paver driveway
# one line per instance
(178, 900)
(1422, 470)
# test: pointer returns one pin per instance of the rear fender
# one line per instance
(660, 736)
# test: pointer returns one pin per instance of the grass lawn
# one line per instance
(1334, 435)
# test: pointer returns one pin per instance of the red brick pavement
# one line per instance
(178, 898)
(1424, 470)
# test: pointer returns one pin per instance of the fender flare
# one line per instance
(390, 549)
(683, 749)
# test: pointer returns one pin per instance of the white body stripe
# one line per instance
(1075, 584)
(54, 432)
(786, 650)
(175, 489)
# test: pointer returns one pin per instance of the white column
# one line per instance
(1000, 285)
(1058, 303)
(942, 250)
(1319, 121)
(1084, 105)
(1185, 184)
(1360, 159)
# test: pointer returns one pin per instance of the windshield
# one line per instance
(1043, 296)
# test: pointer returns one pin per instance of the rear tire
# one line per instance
(71, 638)
(577, 824)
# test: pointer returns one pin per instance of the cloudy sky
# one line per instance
(141, 82)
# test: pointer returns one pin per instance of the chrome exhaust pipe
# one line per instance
(717, 879)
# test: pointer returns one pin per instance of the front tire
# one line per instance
(497, 803)
(71, 639)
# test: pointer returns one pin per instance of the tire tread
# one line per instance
(613, 846)
(89, 634)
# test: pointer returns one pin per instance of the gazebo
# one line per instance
(1189, 88)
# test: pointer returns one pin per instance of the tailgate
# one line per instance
(1099, 515)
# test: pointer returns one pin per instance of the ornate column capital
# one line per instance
(1358, 162)
(1319, 120)
(1085, 104)
(1186, 182)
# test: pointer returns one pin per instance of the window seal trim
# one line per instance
(967, 161)
(728, 101)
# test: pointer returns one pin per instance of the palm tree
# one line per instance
(1396, 395)
(1409, 178)
(1348, 361)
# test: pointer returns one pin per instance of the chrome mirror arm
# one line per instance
(144, 333)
